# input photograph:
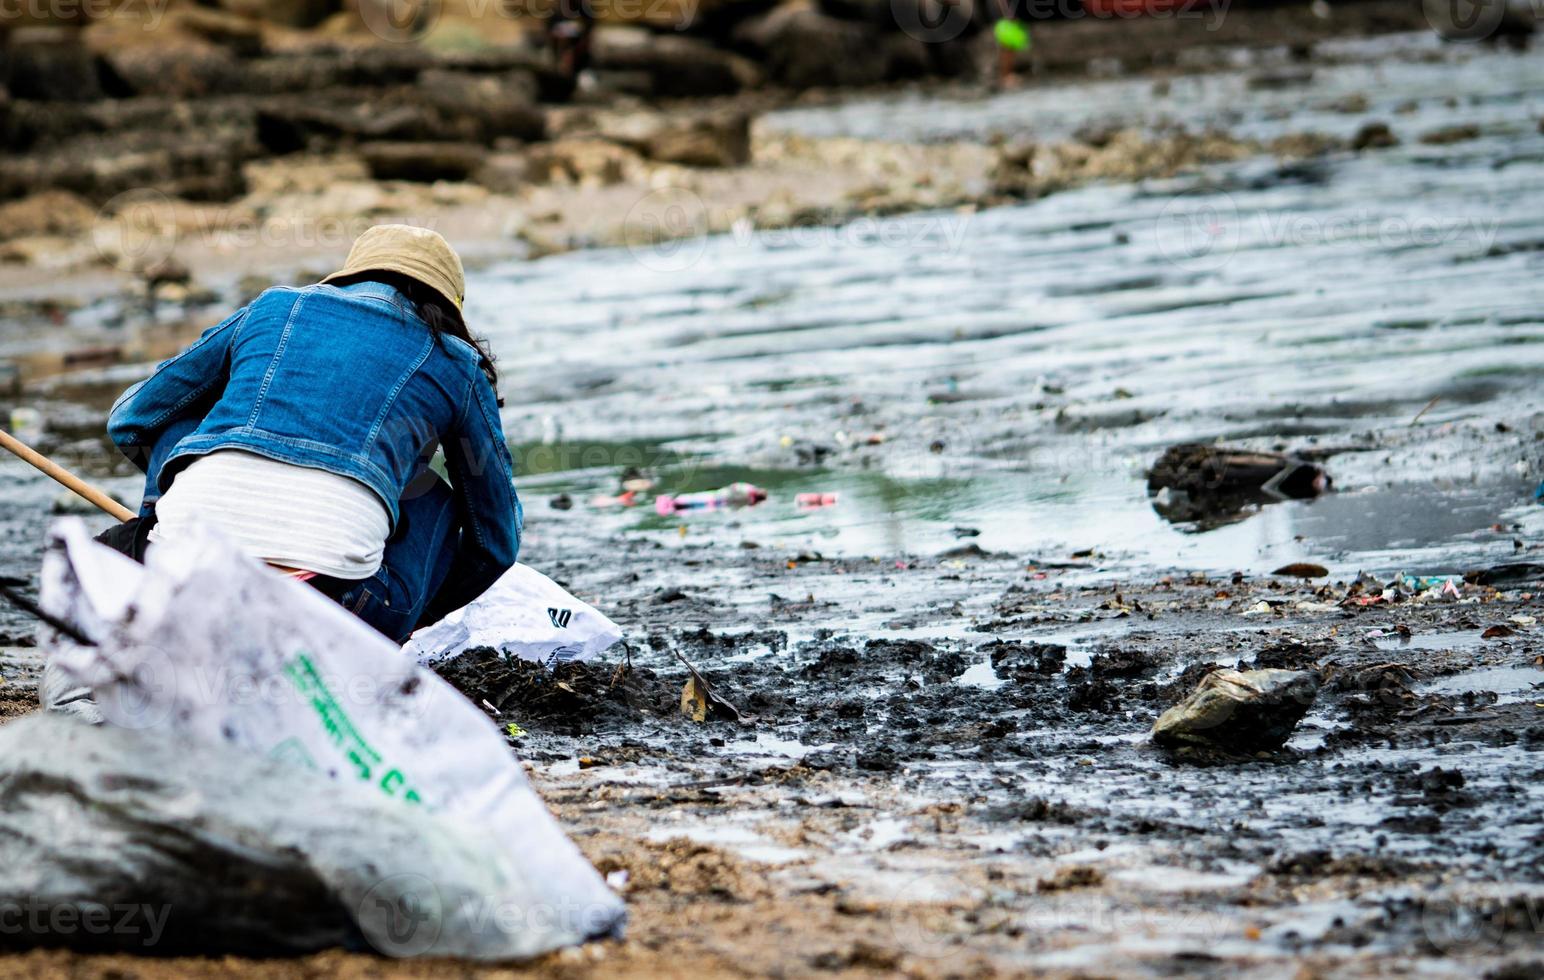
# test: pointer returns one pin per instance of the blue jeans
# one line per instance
(417, 561)
(405, 590)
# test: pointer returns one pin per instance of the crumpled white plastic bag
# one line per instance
(525, 615)
(205, 643)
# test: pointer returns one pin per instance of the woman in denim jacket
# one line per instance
(303, 428)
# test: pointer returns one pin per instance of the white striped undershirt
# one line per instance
(289, 515)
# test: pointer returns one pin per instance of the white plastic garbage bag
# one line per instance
(204, 643)
(524, 614)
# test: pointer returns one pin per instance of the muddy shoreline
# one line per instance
(947, 676)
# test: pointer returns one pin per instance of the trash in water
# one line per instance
(1496, 632)
(1232, 709)
(734, 495)
(811, 501)
(627, 498)
(1446, 585)
(1212, 486)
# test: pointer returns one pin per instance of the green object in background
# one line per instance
(1011, 34)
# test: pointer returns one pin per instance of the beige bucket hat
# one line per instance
(415, 252)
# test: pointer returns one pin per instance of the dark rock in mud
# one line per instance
(1025, 661)
(1214, 485)
(1239, 710)
(1374, 136)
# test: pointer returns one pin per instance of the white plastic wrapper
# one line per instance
(204, 643)
(525, 615)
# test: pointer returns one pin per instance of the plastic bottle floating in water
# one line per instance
(809, 501)
(734, 495)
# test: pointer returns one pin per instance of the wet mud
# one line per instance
(946, 677)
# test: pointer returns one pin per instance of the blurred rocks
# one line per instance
(694, 139)
(48, 213)
(290, 13)
(803, 48)
(425, 162)
(674, 65)
(50, 64)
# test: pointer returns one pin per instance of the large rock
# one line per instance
(804, 48)
(486, 107)
(52, 65)
(1239, 710)
(182, 71)
(706, 139)
(48, 213)
(179, 164)
(423, 162)
(201, 848)
(378, 66)
(326, 120)
(290, 13)
(677, 66)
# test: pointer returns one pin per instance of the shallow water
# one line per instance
(1025, 364)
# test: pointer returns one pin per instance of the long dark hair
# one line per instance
(438, 313)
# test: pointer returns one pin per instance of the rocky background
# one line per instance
(125, 122)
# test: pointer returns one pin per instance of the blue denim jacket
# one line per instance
(347, 380)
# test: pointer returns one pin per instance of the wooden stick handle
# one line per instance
(72, 482)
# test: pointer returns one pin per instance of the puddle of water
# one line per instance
(1512, 684)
